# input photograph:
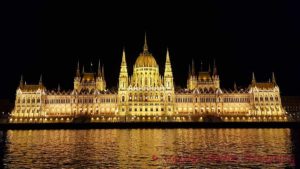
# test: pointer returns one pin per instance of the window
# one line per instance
(123, 98)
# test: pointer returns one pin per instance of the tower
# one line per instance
(192, 79)
(168, 75)
(100, 80)
(215, 77)
(77, 77)
(123, 77)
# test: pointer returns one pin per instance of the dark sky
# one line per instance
(243, 36)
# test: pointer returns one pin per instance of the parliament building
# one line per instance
(147, 95)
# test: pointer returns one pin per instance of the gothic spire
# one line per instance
(41, 80)
(78, 70)
(253, 78)
(193, 67)
(215, 68)
(83, 69)
(168, 67)
(103, 72)
(273, 78)
(99, 69)
(123, 70)
(234, 86)
(209, 70)
(21, 80)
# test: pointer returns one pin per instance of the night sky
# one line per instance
(243, 36)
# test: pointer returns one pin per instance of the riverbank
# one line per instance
(161, 125)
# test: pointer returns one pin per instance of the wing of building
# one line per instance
(147, 95)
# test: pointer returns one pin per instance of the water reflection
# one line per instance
(149, 148)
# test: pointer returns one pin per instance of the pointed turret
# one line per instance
(215, 68)
(99, 69)
(78, 70)
(21, 81)
(168, 75)
(193, 68)
(253, 78)
(58, 87)
(103, 72)
(168, 68)
(209, 70)
(234, 86)
(123, 77)
(123, 71)
(41, 80)
(83, 69)
(273, 78)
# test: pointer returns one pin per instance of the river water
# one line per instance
(150, 148)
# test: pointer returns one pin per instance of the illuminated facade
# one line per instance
(146, 95)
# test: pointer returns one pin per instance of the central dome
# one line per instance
(145, 60)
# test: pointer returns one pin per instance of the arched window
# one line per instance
(123, 98)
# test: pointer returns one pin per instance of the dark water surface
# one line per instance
(150, 148)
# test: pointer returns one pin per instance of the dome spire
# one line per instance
(145, 43)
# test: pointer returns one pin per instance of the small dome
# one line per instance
(145, 60)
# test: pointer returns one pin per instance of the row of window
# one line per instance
(28, 101)
(86, 101)
(145, 98)
(266, 99)
(145, 109)
(238, 100)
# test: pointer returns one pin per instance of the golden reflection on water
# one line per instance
(148, 148)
